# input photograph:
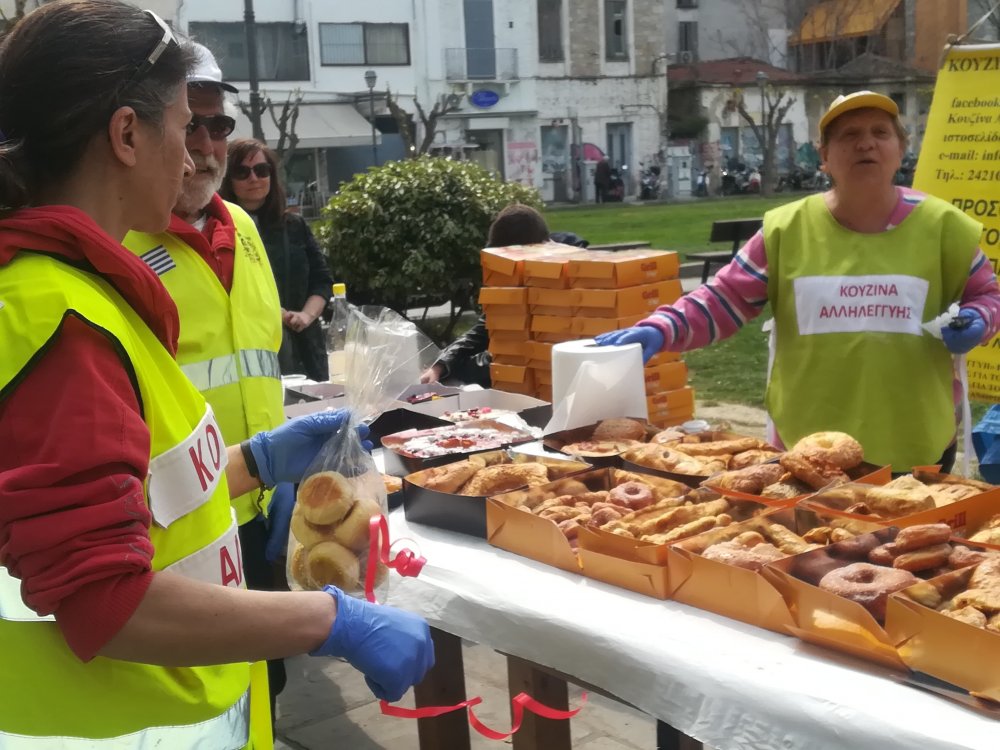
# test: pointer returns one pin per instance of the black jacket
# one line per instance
(300, 271)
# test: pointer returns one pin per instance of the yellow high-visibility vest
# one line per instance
(228, 345)
(49, 697)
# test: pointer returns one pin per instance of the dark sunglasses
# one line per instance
(219, 126)
(242, 171)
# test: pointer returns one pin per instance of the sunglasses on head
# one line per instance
(242, 171)
(218, 126)
(165, 41)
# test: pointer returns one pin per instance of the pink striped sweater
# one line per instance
(738, 294)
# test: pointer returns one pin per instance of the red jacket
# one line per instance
(73, 517)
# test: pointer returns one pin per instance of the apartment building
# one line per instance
(542, 89)
(704, 30)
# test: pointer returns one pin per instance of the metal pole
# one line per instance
(371, 104)
(250, 26)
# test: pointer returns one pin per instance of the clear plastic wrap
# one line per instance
(342, 490)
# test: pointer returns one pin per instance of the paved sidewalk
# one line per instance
(327, 706)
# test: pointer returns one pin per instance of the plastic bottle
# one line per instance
(336, 335)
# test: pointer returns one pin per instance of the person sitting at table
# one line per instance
(467, 359)
(850, 275)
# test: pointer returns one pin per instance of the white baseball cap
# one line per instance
(206, 70)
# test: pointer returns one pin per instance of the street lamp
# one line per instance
(370, 79)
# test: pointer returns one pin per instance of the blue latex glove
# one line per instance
(279, 517)
(964, 339)
(649, 337)
(284, 453)
(391, 648)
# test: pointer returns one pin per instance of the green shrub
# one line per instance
(409, 233)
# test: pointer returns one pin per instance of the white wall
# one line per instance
(325, 80)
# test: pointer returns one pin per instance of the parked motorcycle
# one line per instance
(649, 182)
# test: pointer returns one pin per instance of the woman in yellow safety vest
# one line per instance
(123, 619)
(851, 276)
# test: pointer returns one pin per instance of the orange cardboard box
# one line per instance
(503, 300)
(548, 272)
(964, 516)
(735, 592)
(590, 327)
(676, 399)
(628, 563)
(504, 266)
(540, 355)
(599, 561)
(668, 417)
(542, 376)
(663, 358)
(551, 329)
(598, 269)
(634, 300)
(863, 473)
(544, 392)
(943, 647)
(509, 351)
(829, 620)
(517, 322)
(669, 377)
(559, 302)
(513, 379)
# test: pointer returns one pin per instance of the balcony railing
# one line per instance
(487, 64)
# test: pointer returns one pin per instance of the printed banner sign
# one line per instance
(960, 163)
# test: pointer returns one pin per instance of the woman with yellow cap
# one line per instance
(851, 275)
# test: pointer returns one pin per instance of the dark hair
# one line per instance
(517, 225)
(64, 70)
(275, 204)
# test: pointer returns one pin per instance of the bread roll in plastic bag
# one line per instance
(342, 490)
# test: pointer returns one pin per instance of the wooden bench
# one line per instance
(736, 231)
(620, 246)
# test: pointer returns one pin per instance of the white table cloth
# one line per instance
(727, 684)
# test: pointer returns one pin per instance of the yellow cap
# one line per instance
(857, 100)
(340, 289)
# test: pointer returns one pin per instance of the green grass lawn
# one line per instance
(683, 227)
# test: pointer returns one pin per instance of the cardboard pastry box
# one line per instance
(606, 269)
(466, 514)
(735, 592)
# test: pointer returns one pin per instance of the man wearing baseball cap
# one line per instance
(850, 275)
(213, 263)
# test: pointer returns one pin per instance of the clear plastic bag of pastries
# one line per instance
(342, 490)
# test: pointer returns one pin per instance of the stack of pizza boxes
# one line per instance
(535, 296)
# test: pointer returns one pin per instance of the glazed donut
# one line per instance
(857, 548)
(620, 429)
(331, 563)
(868, 585)
(353, 531)
(962, 557)
(751, 558)
(834, 448)
(922, 535)
(309, 534)
(884, 554)
(632, 495)
(923, 559)
(325, 497)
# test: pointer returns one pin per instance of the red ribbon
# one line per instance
(519, 704)
(408, 563)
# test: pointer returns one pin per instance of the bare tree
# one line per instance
(284, 122)
(428, 121)
(775, 105)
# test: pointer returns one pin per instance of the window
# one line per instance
(364, 43)
(687, 37)
(550, 31)
(687, 3)
(282, 50)
(900, 98)
(615, 32)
